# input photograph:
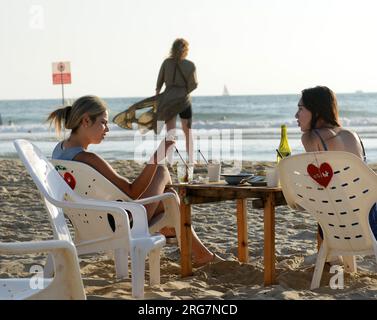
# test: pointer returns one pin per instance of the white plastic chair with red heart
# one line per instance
(103, 225)
(339, 189)
(90, 184)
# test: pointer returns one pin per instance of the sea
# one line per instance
(224, 127)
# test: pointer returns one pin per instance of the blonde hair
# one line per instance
(179, 49)
(70, 117)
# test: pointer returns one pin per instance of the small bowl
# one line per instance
(235, 179)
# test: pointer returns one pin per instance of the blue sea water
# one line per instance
(225, 127)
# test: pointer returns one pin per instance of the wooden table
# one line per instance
(263, 197)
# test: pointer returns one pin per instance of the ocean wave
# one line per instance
(226, 123)
(247, 131)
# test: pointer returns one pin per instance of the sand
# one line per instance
(23, 218)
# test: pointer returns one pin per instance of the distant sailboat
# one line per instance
(225, 91)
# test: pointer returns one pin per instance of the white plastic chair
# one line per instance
(341, 208)
(101, 225)
(66, 283)
(89, 183)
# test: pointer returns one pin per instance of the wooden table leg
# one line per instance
(269, 239)
(243, 249)
(186, 238)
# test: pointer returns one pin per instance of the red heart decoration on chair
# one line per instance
(70, 179)
(322, 175)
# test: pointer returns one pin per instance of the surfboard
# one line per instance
(125, 118)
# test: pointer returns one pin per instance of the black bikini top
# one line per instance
(325, 145)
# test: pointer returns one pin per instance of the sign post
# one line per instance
(61, 74)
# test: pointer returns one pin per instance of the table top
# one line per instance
(223, 185)
(213, 192)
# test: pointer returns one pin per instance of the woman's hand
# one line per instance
(164, 150)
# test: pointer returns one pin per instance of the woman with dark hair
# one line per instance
(318, 118)
(179, 76)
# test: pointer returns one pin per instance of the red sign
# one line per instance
(61, 72)
(59, 78)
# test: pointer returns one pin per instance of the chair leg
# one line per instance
(350, 264)
(154, 267)
(171, 209)
(318, 269)
(138, 256)
(48, 270)
(121, 263)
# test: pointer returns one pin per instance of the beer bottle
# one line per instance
(284, 148)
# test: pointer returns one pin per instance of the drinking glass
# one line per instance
(185, 173)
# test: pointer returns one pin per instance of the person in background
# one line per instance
(87, 119)
(179, 76)
(318, 118)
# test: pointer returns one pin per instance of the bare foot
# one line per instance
(168, 232)
(213, 258)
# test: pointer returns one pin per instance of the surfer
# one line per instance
(179, 76)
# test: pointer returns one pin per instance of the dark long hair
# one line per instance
(321, 102)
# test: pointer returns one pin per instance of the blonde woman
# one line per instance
(179, 76)
(87, 119)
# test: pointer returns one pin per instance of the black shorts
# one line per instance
(187, 113)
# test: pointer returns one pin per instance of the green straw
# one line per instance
(280, 155)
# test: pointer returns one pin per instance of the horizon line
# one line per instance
(193, 96)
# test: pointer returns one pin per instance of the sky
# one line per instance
(116, 47)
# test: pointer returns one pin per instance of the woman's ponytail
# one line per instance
(60, 118)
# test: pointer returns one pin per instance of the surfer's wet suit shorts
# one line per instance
(187, 113)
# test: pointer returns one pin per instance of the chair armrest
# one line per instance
(161, 197)
(92, 204)
(35, 246)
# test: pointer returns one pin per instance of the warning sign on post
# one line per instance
(61, 72)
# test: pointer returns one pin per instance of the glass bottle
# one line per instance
(284, 148)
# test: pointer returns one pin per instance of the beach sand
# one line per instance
(23, 218)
